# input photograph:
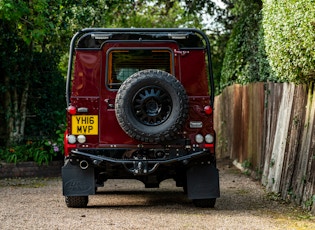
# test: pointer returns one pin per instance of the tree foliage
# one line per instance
(251, 41)
(27, 29)
(270, 43)
(289, 27)
(218, 29)
(35, 36)
(244, 57)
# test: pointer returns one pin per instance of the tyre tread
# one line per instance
(76, 201)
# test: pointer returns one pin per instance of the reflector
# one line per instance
(71, 139)
(81, 139)
(208, 109)
(199, 138)
(209, 138)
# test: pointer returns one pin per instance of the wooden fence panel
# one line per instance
(236, 122)
(228, 127)
(272, 125)
(255, 122)
(294, 140)
(242, 123)
(278, 150)
(219, 119)
(273, 95)
(308, 195)
(302, 170)
(222, 108)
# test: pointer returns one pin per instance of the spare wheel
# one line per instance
(151, 106)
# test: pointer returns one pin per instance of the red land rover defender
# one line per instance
(139, 106)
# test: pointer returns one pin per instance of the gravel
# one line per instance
(37, 203)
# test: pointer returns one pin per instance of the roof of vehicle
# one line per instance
(185, 39)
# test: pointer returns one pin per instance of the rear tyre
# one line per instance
(205, 203)
(76, 201)
(151, 106)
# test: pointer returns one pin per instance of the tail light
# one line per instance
(72, 110)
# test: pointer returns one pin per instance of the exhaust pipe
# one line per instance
(84, 164)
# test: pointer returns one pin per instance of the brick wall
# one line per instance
(30, 169)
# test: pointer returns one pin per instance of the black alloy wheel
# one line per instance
(151, 106)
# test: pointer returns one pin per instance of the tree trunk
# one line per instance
(15, 112)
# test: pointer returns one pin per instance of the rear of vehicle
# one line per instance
(140, 107)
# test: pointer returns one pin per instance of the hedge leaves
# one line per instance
(289, 27)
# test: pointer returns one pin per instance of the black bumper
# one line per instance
(139, 166)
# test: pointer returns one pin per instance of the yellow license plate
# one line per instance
(85, 124)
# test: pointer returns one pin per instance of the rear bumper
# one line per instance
(196, 170)
(136, 166)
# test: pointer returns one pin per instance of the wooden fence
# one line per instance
(270, 127)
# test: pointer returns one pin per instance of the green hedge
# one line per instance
(271, 42)
(289, 27)
(245, 59)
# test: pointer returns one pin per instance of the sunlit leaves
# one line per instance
(35, 36)
(289, 27)
(12, 10)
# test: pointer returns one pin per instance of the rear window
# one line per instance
(123, 63)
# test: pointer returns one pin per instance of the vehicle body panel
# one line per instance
(97, 141)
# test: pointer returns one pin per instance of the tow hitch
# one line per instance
(141, 167)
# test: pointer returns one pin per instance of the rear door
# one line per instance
(120, 62)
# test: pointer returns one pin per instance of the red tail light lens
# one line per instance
(72, 110)
(208, 110)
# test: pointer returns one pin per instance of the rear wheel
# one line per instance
(205, 203)
(76, 201)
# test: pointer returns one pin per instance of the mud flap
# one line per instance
(203, 182)
(76, 181)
